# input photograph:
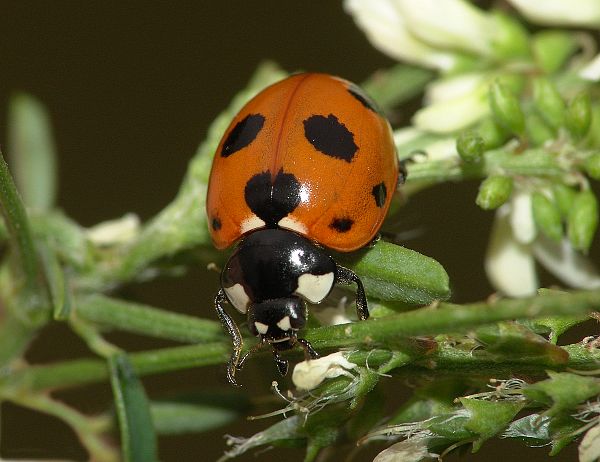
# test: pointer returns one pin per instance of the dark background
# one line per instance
(131, 88)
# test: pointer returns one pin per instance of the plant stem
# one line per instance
(447, 317)
(84, 371)
(14, 338)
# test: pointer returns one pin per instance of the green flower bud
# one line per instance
(506, 108)
(583, 220)
(538, 131)
(493, 135)
(592, 166)
(564, 196)
(579, 115)
(470, 146)
(546, 216)
(552, 48)
(511, 39)
(548, 102)
(494, 191)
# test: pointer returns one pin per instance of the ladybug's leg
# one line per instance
(309, 351)
(347, 276)
(259, 346)
(282, 364)
(232, 329)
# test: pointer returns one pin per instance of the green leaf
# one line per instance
(57, 284)
(393, 273)
(557, 325)
(564, 197)
(175, 418)
(488, 418)
(138, 438)
(563, 391)
(32, 151)
(510, 338)
(288, 432)
(33, 293)
(147, 320)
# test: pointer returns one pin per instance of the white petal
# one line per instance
(450, 115)
(448, 24)
(449, 88)
(385, 28)
(568, 265)
(509, 265)
(309, 374)
(521, 217)
(592, 70)
(584, 13)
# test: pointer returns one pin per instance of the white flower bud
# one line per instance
(311, 373)
(585, 13)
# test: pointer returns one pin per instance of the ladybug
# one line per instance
(309, 164)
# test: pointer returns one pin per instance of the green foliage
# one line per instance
(530, 130)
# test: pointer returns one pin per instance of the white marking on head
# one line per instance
(315, 287)
(251, 223)
(238, 297)
(261, 328)
(290, 223)
(284, 324)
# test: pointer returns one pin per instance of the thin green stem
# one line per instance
(85, 371)
(447, 317)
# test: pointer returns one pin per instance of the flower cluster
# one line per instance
(514, 107)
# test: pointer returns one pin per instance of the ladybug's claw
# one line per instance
(347, 276)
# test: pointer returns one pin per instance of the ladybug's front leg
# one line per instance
(236, 338)
(347, 276)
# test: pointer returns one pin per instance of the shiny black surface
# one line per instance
(268, 263)
(273, 311)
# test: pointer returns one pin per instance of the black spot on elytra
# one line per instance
(364, 99)
(379, 192)
(331, 137)
(341, 225)
(216, 224)
(271, 200)
(242, 134)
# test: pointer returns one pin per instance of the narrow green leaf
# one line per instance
(32, 151)
(138, 438)
(393, 273)
(177, 417)
(146, 320)
(57, 284)
(563, 391)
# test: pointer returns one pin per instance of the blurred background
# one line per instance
(131, 89)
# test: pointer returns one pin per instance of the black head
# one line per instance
(277, 321)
